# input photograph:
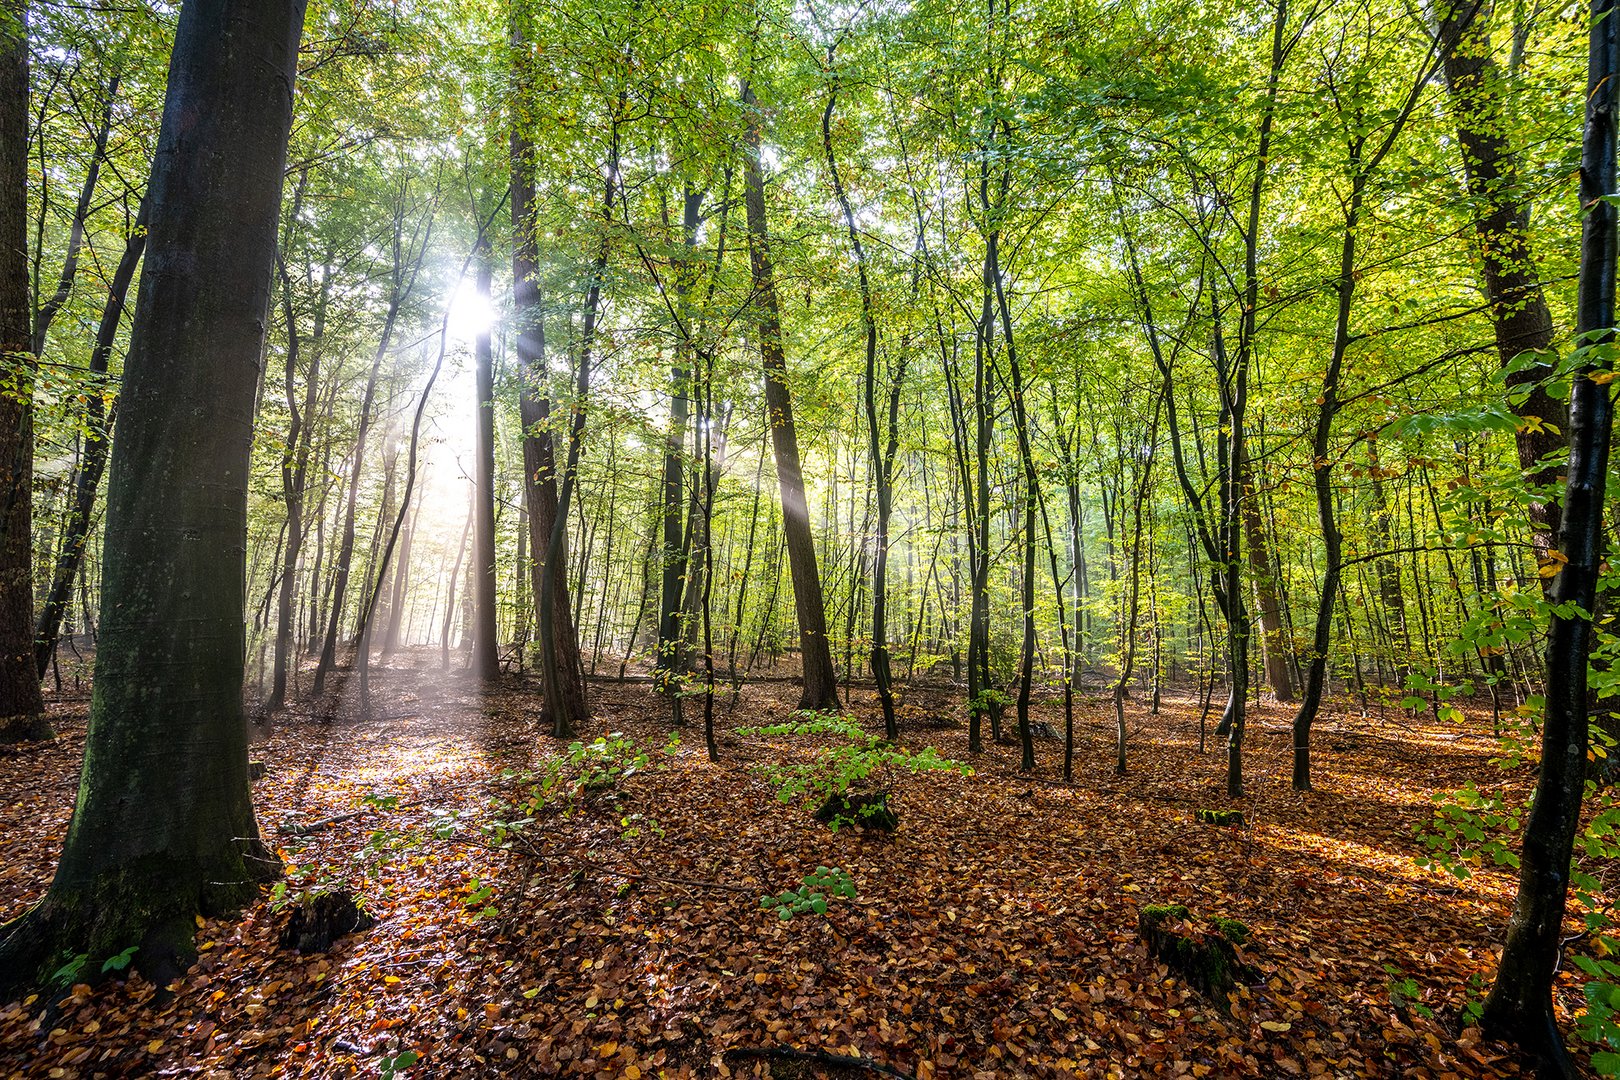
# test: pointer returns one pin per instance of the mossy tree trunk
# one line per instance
(163, 829)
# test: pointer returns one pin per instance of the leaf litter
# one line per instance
(621, 931)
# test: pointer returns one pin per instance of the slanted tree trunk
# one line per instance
(98, 418)
(820, 681)
(1519, 1007)
(409, 252)
(22, 709)
(486, 664)
(163, 829)
(1361, 166)
(295, 469)
(880, 456)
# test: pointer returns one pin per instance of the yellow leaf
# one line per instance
(390, 979)
(1276, 1025)
(154, 1046)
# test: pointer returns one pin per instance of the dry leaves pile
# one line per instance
(993, 935)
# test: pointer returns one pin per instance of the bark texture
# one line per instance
(163, 828)
(22, 710)
(820, 681)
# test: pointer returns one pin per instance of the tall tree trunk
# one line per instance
(22, 709)
(1520, 1006)
(880, 457)
(163, 829)
(1519, 314)
(820, 681)
(675, 553)
(408, 255)
(565, 706)
(1273, 639)
(98, 417)
(295, 469)
(486, 664)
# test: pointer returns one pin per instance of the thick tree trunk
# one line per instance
(1520, 1006)
(1519, 314)
(22, 710)
(163, 829)
(820, 681)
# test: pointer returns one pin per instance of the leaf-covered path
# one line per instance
(993, 935)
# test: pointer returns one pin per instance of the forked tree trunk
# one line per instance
(163, 829)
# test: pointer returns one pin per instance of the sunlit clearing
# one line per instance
(470, 314)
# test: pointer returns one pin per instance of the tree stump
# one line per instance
(1204, 955)
(869, 810)
(319, 921)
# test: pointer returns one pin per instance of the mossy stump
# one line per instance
(869, 810)
(1205, 955)
(1233, 818)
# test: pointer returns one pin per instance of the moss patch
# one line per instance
(1220, 817)
(1202, 954)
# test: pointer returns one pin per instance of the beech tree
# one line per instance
(22, 710)
(163, 829)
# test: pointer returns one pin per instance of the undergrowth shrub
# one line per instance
(853, 761)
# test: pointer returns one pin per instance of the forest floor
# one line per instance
(622, 934)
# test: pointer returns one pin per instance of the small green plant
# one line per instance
(120, 961)
(477, 901)
(69, 973)
(391, 1065)
(1405, 995)
(987, 701)
(852, 761)
(811, 897)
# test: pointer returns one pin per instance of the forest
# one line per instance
(839, 538)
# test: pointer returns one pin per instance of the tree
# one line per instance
(22, 710)
(820, 681)
(163, 829)
(1520, 1006)
(486, 660)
